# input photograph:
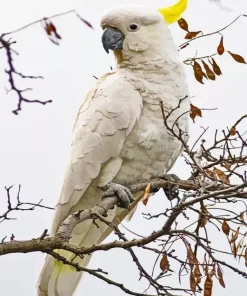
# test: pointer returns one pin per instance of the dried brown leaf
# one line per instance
(233, 131)
(84, 21)
(205, 264)
(216, 68)
(209, 72)
(227, 165)
(210, 173)
(197, 274)
(164, 263)
(239, 245)
(199, 77)
(198, 72)
(220, 48)
(191, 35)
(220, 276)
(191, 256)
(185, 45)
(203, 220)
(183, 24)
(242, 251)
(51, 31)
(245, 256)
(238, 58)
(241, 217)
(222, 176)
(146, 194)
(50, 28)
(212, 272)
(204, 75)
(192, 282)
(234, 250)
(194, 112)
(235, 236)
(225, 227)
(203, 216)
(208, 286)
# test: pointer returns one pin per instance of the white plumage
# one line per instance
(119, 134)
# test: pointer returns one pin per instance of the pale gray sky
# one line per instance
(35, 144)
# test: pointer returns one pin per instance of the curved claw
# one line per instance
(123, 193)
(169, 177)
(172, 189)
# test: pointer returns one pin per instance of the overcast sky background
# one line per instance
(35, 144)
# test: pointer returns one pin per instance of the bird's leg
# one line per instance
(122, 192)
(172, 189)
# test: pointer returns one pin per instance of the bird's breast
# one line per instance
(148, 150)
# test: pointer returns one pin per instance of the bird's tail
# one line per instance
(58, 279)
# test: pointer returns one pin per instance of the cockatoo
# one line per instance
(119, 135)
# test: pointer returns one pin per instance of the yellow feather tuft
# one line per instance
(173, 13)
(58, 265)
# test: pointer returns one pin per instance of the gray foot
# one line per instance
(122, 192)
(172, 190)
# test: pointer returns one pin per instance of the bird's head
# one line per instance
(132, 31)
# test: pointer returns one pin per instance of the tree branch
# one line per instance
(60, 241)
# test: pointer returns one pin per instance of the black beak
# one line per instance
(112, 39)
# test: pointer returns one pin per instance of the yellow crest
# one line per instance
(173, 13)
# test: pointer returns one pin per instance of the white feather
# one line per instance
(119, 134)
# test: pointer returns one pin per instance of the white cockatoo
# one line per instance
(119, 135)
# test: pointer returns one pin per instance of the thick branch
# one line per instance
(60, 241)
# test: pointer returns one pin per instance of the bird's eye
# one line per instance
(133, 27)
